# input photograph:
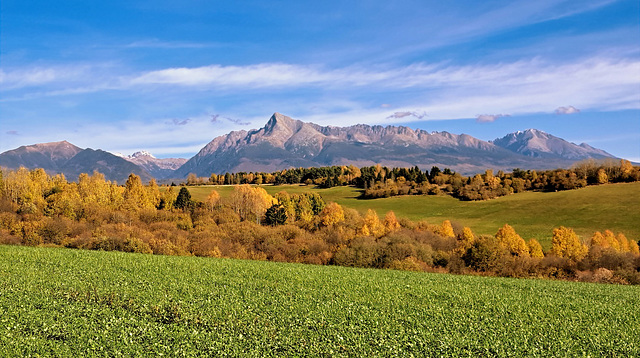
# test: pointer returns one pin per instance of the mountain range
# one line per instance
(285, 142)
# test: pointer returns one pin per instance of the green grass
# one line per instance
(532, 214)
(61, 302)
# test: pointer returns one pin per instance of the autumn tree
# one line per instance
(94, 190)
(213, 200)
(508, 238)
(446, 229)
(611, 240)
(464, 241)
(153, 193)
(192, 179)
(332, 214)
(535, 249)
(372, 225)
(247, 201)
(391, 222)
(565, 243)
(135, 194)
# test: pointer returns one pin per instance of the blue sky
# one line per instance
(168, 76)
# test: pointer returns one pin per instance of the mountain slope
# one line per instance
(158, 168)
(285, 142)
(48, 156)
(70, 160)
(538, 144)
(112, 166)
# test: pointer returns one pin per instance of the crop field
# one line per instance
(532, 214)
(62, 302)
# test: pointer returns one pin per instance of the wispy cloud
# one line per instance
(455, 91)
(180, 122)
(487, 118)
(38, 76)
(567, 110)
(215, 118)
(415, 114)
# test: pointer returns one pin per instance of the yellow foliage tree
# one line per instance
(610, 237)
(535, 249)
(332, 214)
(153, 193)
(509, 239)
(601, 176)
(135, 194)
(598, 240)
(372, 225)
(626, 167)
(446, 229)
(465, 241)
(633, 247)
(391, 222)
(213, 199)
(623, 242)
(565, 243)
(246, 200)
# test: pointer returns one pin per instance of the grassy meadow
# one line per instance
(532, 214)
(61, 302)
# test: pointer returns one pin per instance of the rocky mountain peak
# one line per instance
(536, 143)
(281, 123)
(142, 153)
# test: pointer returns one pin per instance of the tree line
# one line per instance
(381, 182)
(91, 213)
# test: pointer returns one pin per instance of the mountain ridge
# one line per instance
(284, 142)
(65, 158)
(537, 143)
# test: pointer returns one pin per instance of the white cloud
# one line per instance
(418, 115)
(487, 118)
(443, 91)
(567, 110)
(37, 76)
(261, 75)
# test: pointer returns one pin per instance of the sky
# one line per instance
(169, 76)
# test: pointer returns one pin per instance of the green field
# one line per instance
(62, 302)
(532, 214)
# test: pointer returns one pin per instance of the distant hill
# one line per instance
(285, 142)
(64, 157)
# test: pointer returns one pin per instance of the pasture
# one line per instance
(532, 214)
(61, 302)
